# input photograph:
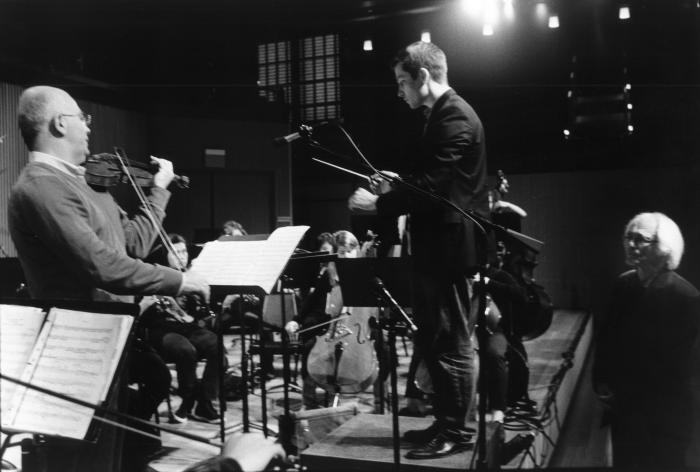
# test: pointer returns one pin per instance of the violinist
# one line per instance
(176, 329)
(74, 242)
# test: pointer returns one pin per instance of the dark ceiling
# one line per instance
(201, 56)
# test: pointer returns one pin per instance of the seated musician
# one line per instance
(177, 331)
(321, 304)
(517, 262)
(509, 297)
(233, 228)
(314, 310)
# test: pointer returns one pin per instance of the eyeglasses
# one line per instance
(84, 117)
(639, 240)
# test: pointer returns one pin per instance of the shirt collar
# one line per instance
(57, 163)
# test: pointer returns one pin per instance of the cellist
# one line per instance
(323, 303)
(314, 310)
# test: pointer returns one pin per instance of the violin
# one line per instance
(106, 170)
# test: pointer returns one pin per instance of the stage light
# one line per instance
(630, 128)
(425, 36)
(509, 11)
(367, 45)
(491, 12)
(472, 7)
(553, 21)
(567, 133)
(569, 94)
(624, 13)
(541, 11)
(487, 30)
(629, 106)
(628, 87)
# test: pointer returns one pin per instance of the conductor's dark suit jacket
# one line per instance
(452, 164)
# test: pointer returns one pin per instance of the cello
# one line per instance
(520, 261)
(343, 359)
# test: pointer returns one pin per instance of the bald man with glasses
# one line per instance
(74, 242)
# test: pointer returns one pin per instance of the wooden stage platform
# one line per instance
(364, 442)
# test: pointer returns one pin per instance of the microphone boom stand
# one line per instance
(388, 324)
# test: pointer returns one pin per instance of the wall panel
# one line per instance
(13, 157)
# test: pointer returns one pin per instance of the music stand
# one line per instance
(379, 282)
(233, 269)
(33, 449)
(300, 272)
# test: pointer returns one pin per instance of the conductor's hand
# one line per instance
(165, 173)
(195, 284)
(291, 328)
(379, 185)
(363, 201)
(253, 452)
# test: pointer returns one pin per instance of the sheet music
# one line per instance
(77, 354)
(249, 263)
(19, 329)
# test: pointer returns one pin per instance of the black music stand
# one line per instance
(300, 272)
(33, 449)
(379, 282)
(297, 264)
(220, 291)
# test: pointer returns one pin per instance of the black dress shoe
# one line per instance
(439, 446)
(422, 436)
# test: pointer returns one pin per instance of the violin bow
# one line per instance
(117, 414)
(123, 161)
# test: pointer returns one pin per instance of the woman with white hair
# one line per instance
(644, 361)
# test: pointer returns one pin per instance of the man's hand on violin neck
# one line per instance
(165, 173)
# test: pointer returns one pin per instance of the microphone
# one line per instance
(304, 132)
(381, 290)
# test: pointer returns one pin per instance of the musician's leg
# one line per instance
(178, 349)
(308, 386)
(206, 344)
(148, 369)
(496, 370)
(518, 371)
(416, 400)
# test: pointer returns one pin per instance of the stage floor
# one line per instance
(555, 358)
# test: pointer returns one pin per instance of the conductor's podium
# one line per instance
(365, 443)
